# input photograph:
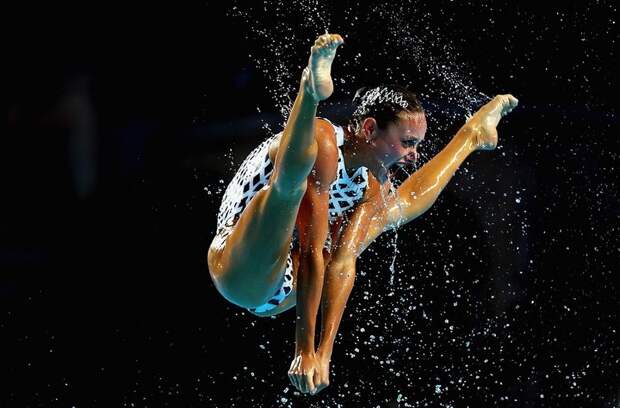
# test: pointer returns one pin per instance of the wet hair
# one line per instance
(384, 103)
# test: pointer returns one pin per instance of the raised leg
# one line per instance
(249, 267)
(418, 193)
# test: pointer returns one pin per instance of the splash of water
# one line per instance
(281, 40)
(394, 228)
(394, 244)
(280, 65)
(451, 85)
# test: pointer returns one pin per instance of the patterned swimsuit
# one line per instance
(253, 175)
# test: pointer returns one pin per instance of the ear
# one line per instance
(369, 127)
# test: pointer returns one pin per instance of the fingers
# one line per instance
(310, 382)
(303, 382)
(321, 379)
(306, 385)
(308, 376)
(507, 103)
(292, 372)
(336, 39)
(316, 381)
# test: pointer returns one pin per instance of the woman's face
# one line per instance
(398, 142)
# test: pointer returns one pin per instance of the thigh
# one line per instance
(291, 300)
(248, 265)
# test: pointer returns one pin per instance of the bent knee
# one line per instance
(236, 290)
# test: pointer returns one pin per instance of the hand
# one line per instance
(309, 373)
(323, 381)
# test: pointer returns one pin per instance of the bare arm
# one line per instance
(313, 229)
(312, 225)
(340, 276)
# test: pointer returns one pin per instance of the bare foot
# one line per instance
(484, 122)
(317, 76)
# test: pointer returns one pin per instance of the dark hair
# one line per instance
(383, 103)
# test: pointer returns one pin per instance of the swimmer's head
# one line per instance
(391, 120)
(385, 103)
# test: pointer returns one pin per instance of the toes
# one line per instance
(513, 101)
(509, 99)
(328, 40)
(336, 40)
(508, 103)
(323, 39)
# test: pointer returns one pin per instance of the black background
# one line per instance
(125, 123)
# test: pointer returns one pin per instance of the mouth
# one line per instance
(401, 164)
(402, 168)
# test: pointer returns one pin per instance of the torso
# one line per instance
(328, 146)
(358, 188)
(337, 227)
(347, 188)
(327, 141)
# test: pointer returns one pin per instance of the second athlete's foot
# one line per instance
(484, 122)
(317, 76)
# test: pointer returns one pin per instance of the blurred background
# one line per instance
(125, 123)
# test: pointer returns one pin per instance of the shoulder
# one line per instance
(325, 134)
(326, 163)
(375, 190)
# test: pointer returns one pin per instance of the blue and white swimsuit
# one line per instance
(254, 174)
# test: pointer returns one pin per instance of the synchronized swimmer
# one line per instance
(310, 199)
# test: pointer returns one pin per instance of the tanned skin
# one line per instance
(248, 268)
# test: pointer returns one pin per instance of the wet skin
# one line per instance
(380, 210)
(247, 268)
(396, 144)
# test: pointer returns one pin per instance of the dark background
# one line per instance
(125, 123)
